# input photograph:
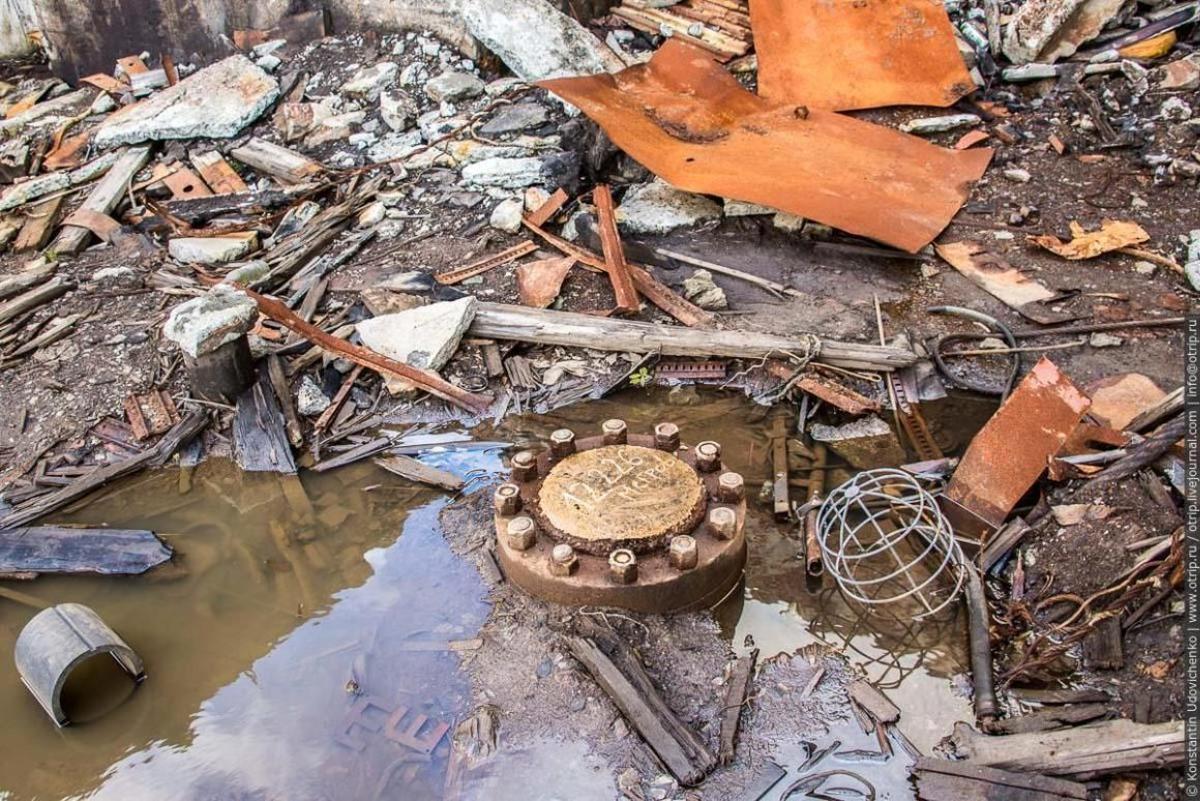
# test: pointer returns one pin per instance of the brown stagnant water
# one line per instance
(255, 653)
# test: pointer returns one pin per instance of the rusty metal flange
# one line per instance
(626, 520)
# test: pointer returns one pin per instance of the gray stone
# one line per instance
(701, 290)
(512, 119)
(1018, 175)
(215, 103)
(507, 215)
(1047, 30)
(209, 249)
(310, 400)
(333, 129)
(1192, 267)
(452, 87)
(398, 109)
(247, 272)
(946, 122)
(553, 169)
(740, 208)
(866, 443)
(368, 82)
(203, 324)
(1102, 340)
(658, 207)
(786, 221)
(424, 337)
(394, 146)
(433, 125)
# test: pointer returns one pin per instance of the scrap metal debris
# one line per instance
(1111, 235)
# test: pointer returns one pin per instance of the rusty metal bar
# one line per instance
(486, 264)
(614, 254)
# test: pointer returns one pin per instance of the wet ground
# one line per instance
(292, 648)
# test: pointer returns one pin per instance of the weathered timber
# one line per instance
(1056, 717)
(1084, 752)
(33, 298)
(413, 470)
(1082, 696)
(614, 255)
(1102, 648)
(286, 166)
(284, 395)
(260, 441)
(944, 780)
(217, 173)
(547, 327)
(198, 211)
(30, 277)
(104, 198)
(1168, 406)
(39, 224)
(735, 698)
(356, 454)
(1146, 452)
(980, 645)
(106, 551)
(179, 435)
(876, 704)
(222, 375)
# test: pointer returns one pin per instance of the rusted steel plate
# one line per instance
(539, 282)
(692, 123)
(855, 54)
(1015, 447)
(485, 264)
(991, 273)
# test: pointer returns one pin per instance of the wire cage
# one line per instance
(885, 541)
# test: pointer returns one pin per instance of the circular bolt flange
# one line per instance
(563, 561)
(731, 488)
(722, 522)
(521, 533)
(562, 443)
(708, 457)
(524, 466)
(507, 499)
(615, 432)
(622, 566)
(682, 552)
(666, 437)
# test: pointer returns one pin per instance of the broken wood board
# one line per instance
(34, 297)
(104, 198)
(413, 470)
(15, 284)
(260, 440)
(104, 551)
(218, 173)
(876, 704)
(847, 56)
(546, 327)
(691, 123)
(945, 780)
(736, 693)
(1001, 280)
(1111, 235)
(826, 389)
(724, 30)
(286, 166)
(40, 223)
(103, 226)
(1055, 717)
(185, 184)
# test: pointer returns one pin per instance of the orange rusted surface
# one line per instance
(690, 122)
(614, 254)
(855, 54)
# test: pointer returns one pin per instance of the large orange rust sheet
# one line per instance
(691, 123)
(856, 54)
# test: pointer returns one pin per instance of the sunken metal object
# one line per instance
(636, 521)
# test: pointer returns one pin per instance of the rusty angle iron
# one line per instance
(626, 520)
(691, 123)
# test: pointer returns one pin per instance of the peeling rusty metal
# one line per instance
(485, 264)
(856, 54)
(994, 275)
(692, 123)
(833, 393)
(539, 282)
(690, 371)
(1015, 447)
(614, 254)
(913, 422)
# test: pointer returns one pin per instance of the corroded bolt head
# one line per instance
(524, 466)
(731, 488)
(622, 566)
(562, 443)
(563, 561)
(722, 522)
(615, 432)
(682, 552)
(521, 533)
(708, 456)
(666, 437)
(507, 499)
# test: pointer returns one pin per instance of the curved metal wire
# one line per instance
(885, 540)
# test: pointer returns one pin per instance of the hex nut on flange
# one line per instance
(722, 522)
(666, 437)
(683, 553)
(562, 443)
(521, 533)
(731, 488)
(622, 566)
(615, 432)
(563, 561)
(524, 466)
(507, 499)
(708, 456)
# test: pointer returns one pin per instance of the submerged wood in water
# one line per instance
(54, 549)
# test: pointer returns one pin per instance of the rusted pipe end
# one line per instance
(615, 432)
(622, 566)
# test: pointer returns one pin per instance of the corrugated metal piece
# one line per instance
(690, 122)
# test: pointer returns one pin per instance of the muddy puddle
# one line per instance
(309, 644)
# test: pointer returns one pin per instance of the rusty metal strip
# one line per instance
(913, 423)
(828, 390)
(689, 121)
(484, 265)
(614, 254)
(542, 214)
(695, 371)
(856, 54)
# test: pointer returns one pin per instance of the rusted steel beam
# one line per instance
(614, 254)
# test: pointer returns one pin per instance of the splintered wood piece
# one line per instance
(485, 264)
(539, 282)
(413, 470)
(735, 699)
(877, 705)
(218, 174)
(944, 780)
(542, 214)
(614, 254)
(260, 441)
(284, 395)
(286, 166)
(105, 551)
(103, 226)
(338, 399)
(104, 198)
(185, 184)
(39, 225)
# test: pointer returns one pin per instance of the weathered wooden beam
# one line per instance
(34, 297)
(735, 698)
(944, 780)
(286, 166)
(413, 470)
(1055, 717)
(17, 283)
(55, 549)
(104, 198)
(260, 441)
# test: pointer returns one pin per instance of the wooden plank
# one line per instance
(735, 698)
(283, 395)
(413, 470)
(1056, 717)
(218, 174)
(105, 197)
(185, 184)
(614, 254)
(1102, 648)
(34, 297)
(1084, 696)
(106, 551)
(260, 442)
(39, 225)
(286, 166)
(367, 449)
(877, 705)
(20, 282)
(1001, 778)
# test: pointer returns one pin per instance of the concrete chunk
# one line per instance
(658, 207)
(203, 324)
(424, 337)
(209, 249)
(866, 443)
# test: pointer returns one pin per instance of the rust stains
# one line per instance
(690, 122)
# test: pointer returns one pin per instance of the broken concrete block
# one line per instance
(215, 103)
(398, 109)
(785, 221)
(658, 207)
(424, 337)
(209, 249)
(945, 122)
(1047, 30)
(203, 324)
(368, 82)
(453, 87)
(333, 129)
(866, 443)
(507, 215)
(701, 290)
(310, 400)
(513, 119)
(740, 208)
(553, 169)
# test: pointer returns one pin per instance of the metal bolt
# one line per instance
(731, 488)
(563, 561)
(622, 566)
(682, 552)
(666, 437)
(507, 499)
(524, 466)
(708, 456)
(615, 432)
(562, 443)
(521, 533)
(722, 522)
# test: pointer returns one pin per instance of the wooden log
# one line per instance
(547, 327)
(735, 699)
(106, 551)
(413, 470)
(105, 197)
(286, 166)
(1057, 717)
(1083, 752)
(34, 297)
(944, 780)
(178, 436)
(260, 442)
(218, 174)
